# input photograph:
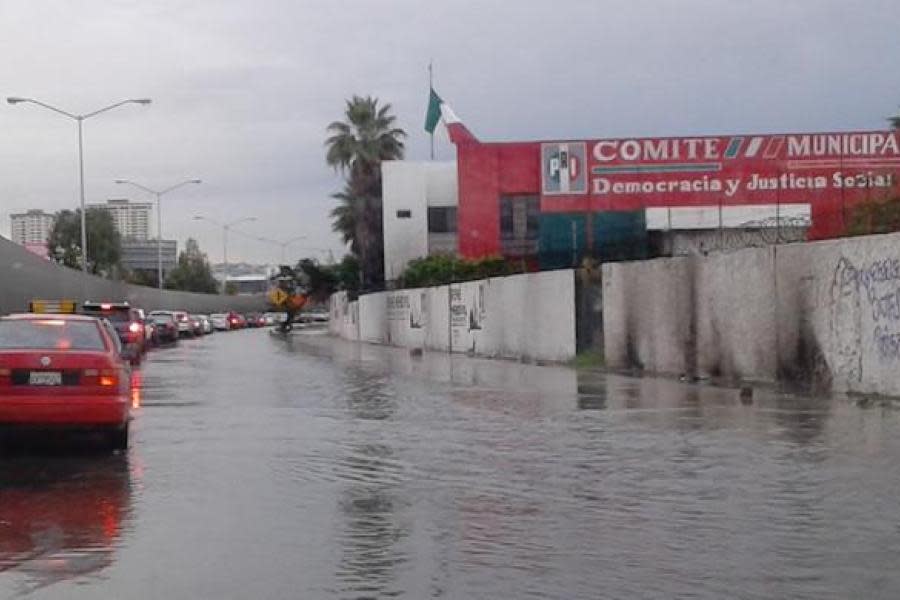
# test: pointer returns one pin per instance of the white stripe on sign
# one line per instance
(753, 147)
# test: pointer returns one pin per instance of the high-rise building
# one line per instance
(143, 255)
(31, 227)
(132, 219)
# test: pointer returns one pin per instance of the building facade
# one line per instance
(419, 212)
(553, 202)
(132, 219)
(32, 230)
(31, 227)
(142, 255)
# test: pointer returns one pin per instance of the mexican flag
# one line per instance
(437, 110)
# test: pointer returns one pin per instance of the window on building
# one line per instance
(442, 219)
(404, 214)
(519, 217)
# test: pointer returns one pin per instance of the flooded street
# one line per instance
(316, 468)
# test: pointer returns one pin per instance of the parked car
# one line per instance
(166, 326)
(128, 323)
(236, 320)
(64, 371)
(219, 321)
(255, 320)
(152, 337)
(205, 324)
(196, 325)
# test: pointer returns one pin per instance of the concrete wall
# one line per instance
(825, 313)
(24, 276)
(522, 316)
(412, 186)
(344, 316)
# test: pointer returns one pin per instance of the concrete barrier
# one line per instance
(825, 313)
(24, 276)
(528, 316)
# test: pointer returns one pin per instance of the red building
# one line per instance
(566, 198)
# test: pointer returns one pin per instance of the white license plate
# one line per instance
(45, 378)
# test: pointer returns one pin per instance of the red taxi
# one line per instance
(64, 371)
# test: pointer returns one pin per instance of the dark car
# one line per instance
(166, 327)
(128, 323)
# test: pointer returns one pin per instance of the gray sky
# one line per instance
(242, 91)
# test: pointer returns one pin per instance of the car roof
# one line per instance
(45, 316)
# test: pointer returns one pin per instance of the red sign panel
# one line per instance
(828, 171)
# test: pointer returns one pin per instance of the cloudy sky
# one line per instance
(242, 90)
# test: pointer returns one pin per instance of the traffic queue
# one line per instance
(66, 367)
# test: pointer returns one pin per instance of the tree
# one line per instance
(345, 217)
(104, 241)
(356, 147)
(323, 280)
(193, 273)
(895, 122)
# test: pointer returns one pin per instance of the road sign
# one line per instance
(278, 296)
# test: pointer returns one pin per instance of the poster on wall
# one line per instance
(459, 317)
(398, 307)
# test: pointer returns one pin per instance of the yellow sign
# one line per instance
(66, 307)
(278, 296)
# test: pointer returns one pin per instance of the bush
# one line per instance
(874, 216)
(441, 269)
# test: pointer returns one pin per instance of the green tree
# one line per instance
(345, 217)
(894, 121)
(356, 147)
(104, 241)
(193, 273)
(323, 280)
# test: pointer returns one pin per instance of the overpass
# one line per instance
(24, 276)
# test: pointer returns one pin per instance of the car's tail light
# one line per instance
(5, 377)
(135, 327)
(107, 378)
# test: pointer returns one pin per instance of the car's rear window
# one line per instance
(113, 315)
(162, 319)
(50, 334)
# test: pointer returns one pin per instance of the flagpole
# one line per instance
(431, 87)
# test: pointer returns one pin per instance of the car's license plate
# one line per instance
(45, 378)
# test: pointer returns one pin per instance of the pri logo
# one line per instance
(564, 168)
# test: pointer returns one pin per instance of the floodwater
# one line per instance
(316, 468)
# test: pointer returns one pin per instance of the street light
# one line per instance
(283, 245)
(80, 119)
(159, 194)
(225, 227)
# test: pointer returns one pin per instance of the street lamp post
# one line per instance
(225, 227)
(80, 120)
(159, 194)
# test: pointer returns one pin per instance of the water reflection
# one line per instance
(61, 517)
(372, 527)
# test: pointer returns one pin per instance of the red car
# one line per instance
(236, 320)
(128, 323)
(64, 371)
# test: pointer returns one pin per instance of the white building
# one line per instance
(419, 204)
(132, 219)
(31, 227)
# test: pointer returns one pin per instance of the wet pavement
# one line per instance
(315, 468)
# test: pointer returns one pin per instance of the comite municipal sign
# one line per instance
(825, 170)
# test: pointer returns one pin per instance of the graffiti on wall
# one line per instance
(869, 292)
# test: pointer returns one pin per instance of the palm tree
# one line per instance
(356, 147)
(344, 218)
